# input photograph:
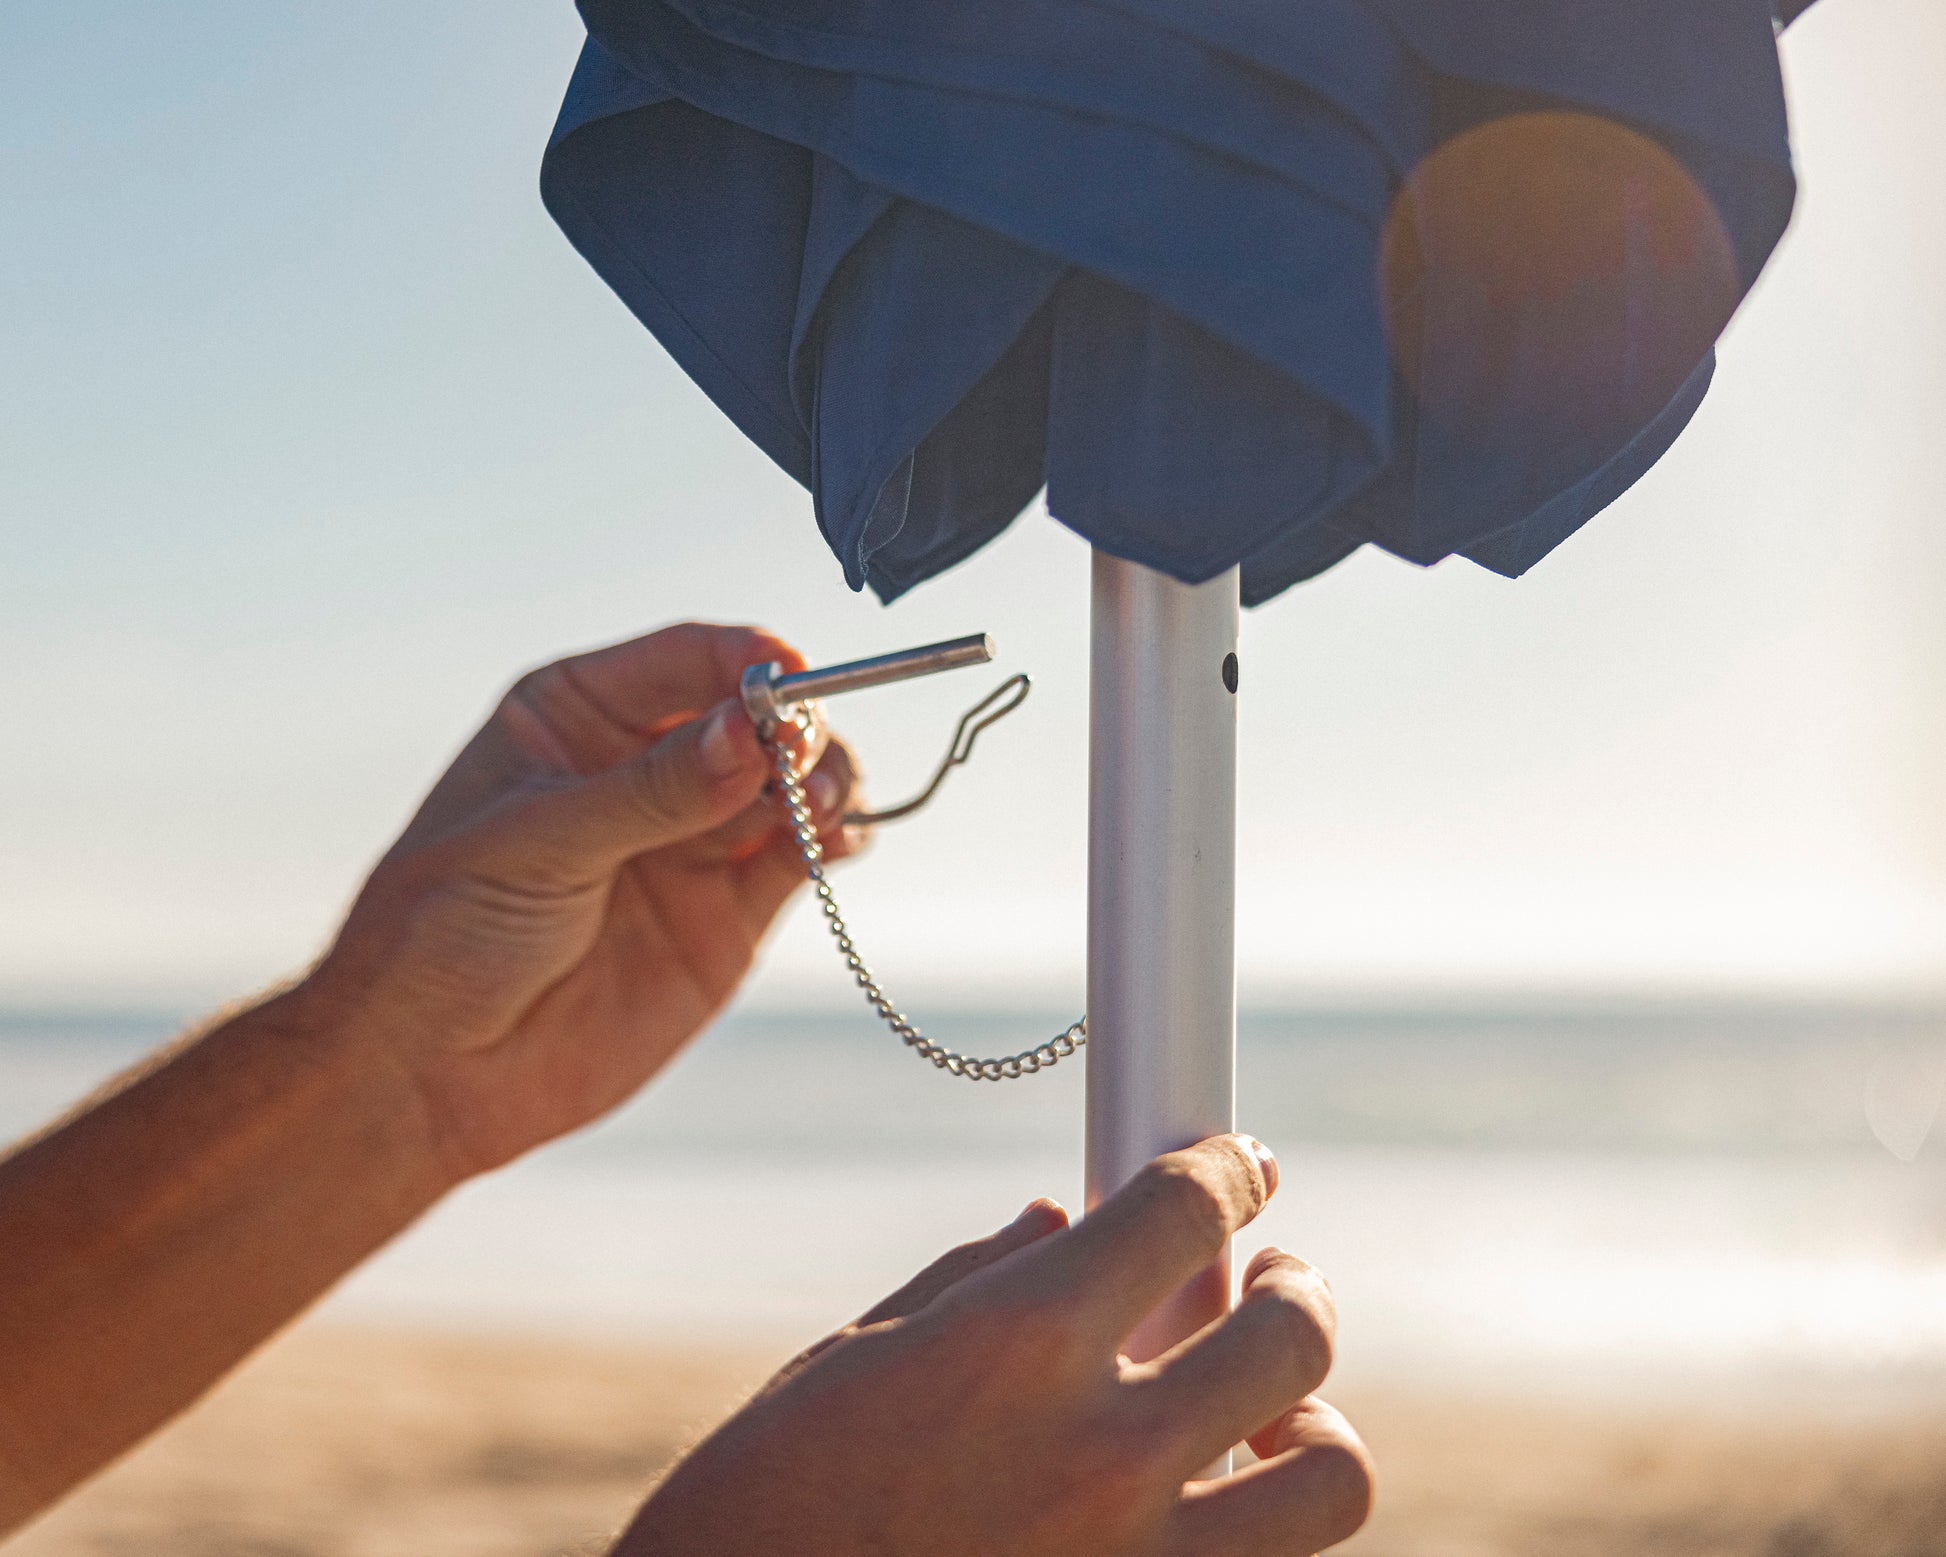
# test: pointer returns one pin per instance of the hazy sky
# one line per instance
(313, 432)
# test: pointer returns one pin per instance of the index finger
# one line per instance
(607, 703)
(1154, 1233)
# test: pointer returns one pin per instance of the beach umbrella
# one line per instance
(1243, 285)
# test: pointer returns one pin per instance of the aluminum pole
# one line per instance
(1161, 889)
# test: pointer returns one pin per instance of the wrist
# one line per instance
(325, 1028)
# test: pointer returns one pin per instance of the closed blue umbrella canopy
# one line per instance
(1238, 281)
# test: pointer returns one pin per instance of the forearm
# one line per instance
(583, 887)
(154, 1240)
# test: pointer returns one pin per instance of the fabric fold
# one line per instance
(1239, 281)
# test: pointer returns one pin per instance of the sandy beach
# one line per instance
(1567, 1331)
(341, 1442)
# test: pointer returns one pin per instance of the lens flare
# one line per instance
(1551, 279)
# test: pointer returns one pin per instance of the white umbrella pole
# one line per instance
(1161, 889)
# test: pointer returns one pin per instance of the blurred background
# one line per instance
(1593, 927)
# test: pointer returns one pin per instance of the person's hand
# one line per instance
(984, 1410)
(580, 893)
(577, 896)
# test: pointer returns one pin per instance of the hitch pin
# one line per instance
(770, 696)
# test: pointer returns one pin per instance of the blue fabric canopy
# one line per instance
(1237, 281)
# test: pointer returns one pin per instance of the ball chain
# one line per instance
(1007, 1068)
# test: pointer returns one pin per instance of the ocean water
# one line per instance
(1581, 1198)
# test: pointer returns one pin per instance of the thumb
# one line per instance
(694, 778)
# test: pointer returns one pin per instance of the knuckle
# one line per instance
(1228, 1165)
(737, 640)
(1116, 1455)
(1289, 1315)
(1126, 1475)
(1238, 1168)
(1344, 1486)
(684, 642)
(530, 688)
(1180, 1192)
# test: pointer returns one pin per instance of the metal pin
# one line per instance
(768, 694)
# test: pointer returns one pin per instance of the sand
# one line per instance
(346, 1443)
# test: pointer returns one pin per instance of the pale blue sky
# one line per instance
(313, 432)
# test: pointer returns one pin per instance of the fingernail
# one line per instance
(721, 748)
(1037, 1211)
(1266, 1163)
(822, 787)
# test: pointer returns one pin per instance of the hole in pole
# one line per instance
(1229, 672)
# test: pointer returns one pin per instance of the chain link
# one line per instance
(1006, 1068)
